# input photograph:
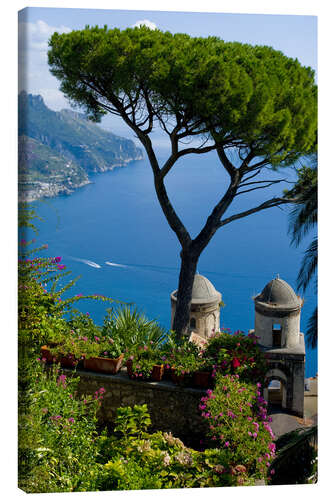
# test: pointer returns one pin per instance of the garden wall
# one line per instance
(172, 408)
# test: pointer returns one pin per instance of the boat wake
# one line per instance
(114, 264)
(88, 262)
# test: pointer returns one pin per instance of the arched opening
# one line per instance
(275, 392)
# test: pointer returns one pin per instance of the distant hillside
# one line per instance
(58, 150)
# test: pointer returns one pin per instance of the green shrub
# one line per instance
(57, 437)
(236, 354)
(237, 417)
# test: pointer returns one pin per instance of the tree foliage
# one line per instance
(248, 102)
(303, 220)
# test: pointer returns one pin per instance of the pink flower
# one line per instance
(57, 259)
(226, 444)
(61, 380)
(71, 420)
(61, 267)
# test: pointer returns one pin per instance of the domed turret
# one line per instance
(278, 294)
(203, 291)
(277, 315)
(205, 307)
(277, 326)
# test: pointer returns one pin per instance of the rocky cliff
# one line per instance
(58, 150)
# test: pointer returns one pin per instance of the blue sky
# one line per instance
(295, 35)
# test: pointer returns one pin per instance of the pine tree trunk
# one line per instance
(184, 294)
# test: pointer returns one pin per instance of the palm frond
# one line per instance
(308, 265)
(311, 333)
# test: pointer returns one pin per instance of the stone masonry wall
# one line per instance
(172, 408)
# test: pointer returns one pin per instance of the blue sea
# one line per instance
(114, 235)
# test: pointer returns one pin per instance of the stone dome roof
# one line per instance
(203, 291)
(278, 293)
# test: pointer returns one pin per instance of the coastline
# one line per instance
(42, 189)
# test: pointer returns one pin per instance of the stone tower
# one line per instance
(205, 307)
(277, 324)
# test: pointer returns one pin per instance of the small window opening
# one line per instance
(277, 335)
(193, 323)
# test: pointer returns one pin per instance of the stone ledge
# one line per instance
(122, 378)
(172, 408)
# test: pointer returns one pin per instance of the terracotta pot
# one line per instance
(157, 373)
(103, 365)
(202, 379)
(167, 373)
(177, 379)
(46, 353)
(68, 361)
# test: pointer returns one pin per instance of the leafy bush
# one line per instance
(42, 311)
(236, 354)
(143, 360)
(160, 460)
(132, 327)
(238, 422)
(57, 437)
(184, 357)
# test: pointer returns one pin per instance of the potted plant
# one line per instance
(56, 332)
(144, 363)
(69, 353)
(185, 361)
(202, 377)
(140, 368)
(103, 355)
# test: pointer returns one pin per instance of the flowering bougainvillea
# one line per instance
(237, 420)
(236, 354)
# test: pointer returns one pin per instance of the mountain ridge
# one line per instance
(59, 149)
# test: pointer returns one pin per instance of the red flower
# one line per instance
(235, 363)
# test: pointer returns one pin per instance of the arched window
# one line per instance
(275, 392)
(193, 323)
